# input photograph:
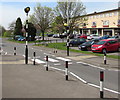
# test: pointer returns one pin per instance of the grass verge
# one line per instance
(62, 46)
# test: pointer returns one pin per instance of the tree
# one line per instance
(2, 30)
(31, 31)
(43, 16)
(18, 27)
(70, 10)
(12, 26)
(57, 25)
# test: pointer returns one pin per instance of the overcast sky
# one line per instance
(10, 10)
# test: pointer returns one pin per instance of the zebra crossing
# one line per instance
(55, 60)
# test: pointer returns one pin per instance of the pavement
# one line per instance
(33, 81)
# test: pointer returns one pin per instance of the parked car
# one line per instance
(106, 45)
(105, 37)
(77, 41)
(63, 35)
(37, 37)
(115, 37)
(83, 36)
(21, 39)
(56, 36)
(17, 36)
(49, 35)
(87, 45)
(93, 36)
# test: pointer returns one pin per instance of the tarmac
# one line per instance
(86, 58)
(33, 81)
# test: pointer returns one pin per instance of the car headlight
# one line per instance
(99, 46)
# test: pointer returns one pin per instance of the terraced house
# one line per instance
(102, 23)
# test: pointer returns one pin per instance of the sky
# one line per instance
(10, 10)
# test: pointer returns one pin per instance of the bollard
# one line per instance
(14, 50)
(0, 51)
(66, 70)
(34, 58)
(46, 63)
(56, 41)
(101, 84)
(105, 62)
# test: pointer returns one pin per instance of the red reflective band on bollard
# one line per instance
(46, 58)
(66, 64)
(101, 76)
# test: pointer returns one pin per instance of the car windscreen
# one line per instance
(101, 42)
(89, 42)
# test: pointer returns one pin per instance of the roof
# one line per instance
(118, 9)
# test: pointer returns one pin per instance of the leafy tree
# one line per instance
(7, 33)
(31, 31)
(57, 25)
(70, 10)
(43, 16)
(2, 30)
(18, 27)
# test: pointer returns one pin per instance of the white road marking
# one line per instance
(57, 64)
(91, 65)
(38, 61)
(52, 60)
(78, 77)
(64, 59)
(5, 53)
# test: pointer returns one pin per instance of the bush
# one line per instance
(7, 34)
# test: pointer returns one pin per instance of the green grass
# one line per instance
(62, 46)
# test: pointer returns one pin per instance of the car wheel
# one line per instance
(104, 51)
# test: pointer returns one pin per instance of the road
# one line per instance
(84, 71)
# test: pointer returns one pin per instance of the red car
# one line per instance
(106, 45)
(83, 36)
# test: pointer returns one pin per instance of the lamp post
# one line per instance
(67, 31)
(27, 9)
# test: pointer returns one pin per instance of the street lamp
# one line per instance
(67, 31)
(27, 9)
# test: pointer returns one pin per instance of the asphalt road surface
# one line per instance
(84, 71)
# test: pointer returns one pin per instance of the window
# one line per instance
(106, 23)
(112, 42)
(84, 24)
(119, 22)
(110, 14)
(101, 15)
(106, 15)
(97, 16)
(93, 23)
(115, 13)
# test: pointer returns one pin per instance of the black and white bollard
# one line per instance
(14, 50)
(0, 51)
(66, 70)
(105, 62)
(34, 54)
(101, 84)
(46, 63)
